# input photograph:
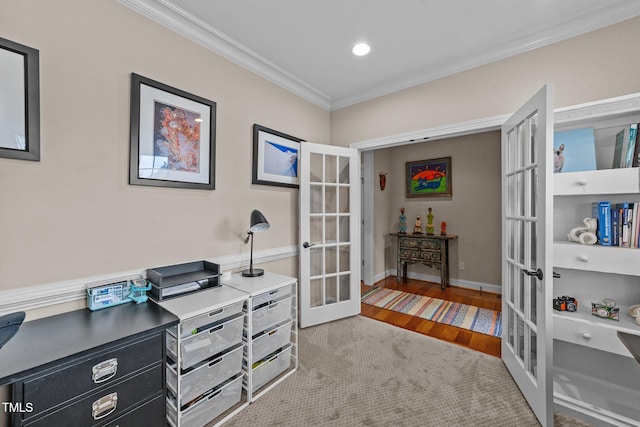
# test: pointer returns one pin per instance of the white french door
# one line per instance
(329, 233)
(527, 263)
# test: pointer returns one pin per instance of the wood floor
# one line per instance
(473, 340)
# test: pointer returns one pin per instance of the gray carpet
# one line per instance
(362, 372)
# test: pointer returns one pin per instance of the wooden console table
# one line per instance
(431, 250)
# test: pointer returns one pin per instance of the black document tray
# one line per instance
(173, 278)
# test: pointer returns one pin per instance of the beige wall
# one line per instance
(472, 213)
(73, 214)
(594, 66)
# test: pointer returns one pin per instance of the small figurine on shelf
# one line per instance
(402, 225)
(418, 227)
(585, 235)
(430, 227)
(443, 228)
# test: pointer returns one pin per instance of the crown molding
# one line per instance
(192, 28)
(515, 46)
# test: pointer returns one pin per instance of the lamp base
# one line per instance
(253, 273)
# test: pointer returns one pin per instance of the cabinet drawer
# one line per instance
(409, 243)
(273, 295)
(270, 340)
(276, 312)
(588, 335)
(107, 404)
(206, 376)
(605, 259)
(151, 413)
(60, 386)
(605, 181)
(208, 407)
(433, 245)
(270, 368)
(205, 344)
(188, 326)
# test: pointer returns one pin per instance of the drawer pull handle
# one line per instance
(582, 182)
(583, 258)
(215, 362)
(216, 329)
(275, 331)
(104, 406)
(272, 306)
(215, 313)
(104, 371)
(274, 292)
(586, 335)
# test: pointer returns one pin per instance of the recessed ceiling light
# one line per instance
(361, 49)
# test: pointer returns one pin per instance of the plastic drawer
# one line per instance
(270, 341)
(273, 295)
(209, 406)
(205, 344)
(206, 376)
(189, 325)
(270, 315)
(270, 368)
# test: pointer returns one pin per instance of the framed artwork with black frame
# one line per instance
(429, 178)
(19, 101)
(275, 158)
(172, 137)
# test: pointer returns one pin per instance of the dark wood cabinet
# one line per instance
(429, 250)
(86, 368)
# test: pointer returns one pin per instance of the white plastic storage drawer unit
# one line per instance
(206, 343)
(188, 326)
(199, 379)
(209, 406)
(266, 370)
(270, 340)
(271, 314)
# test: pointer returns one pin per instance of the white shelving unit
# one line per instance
(271, 330)
(205, 357)
(595, 376)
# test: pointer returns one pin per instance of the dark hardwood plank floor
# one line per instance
(473, 340)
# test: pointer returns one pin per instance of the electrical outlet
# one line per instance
(461, 266)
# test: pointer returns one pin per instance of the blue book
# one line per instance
(615, 224)
(602, 212)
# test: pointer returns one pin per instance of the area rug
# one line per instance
(463, 316)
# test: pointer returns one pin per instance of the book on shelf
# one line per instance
(625, 154)
(602, 212)
(615, 226)
(618, 223)
(631, 153)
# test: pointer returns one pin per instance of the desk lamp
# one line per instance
(258, 223)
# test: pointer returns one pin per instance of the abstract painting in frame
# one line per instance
(429, 178)
(275, 158)
(173, 137)
(19, 101)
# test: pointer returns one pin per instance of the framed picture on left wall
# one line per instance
(172, 137)
(19, 101)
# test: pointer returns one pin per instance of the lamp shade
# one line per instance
(258, 222)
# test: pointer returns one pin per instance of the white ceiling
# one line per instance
(305, 46)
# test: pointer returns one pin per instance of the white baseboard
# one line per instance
(497, 289)
(50, 294)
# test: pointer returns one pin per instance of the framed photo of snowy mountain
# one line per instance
(275, 158)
